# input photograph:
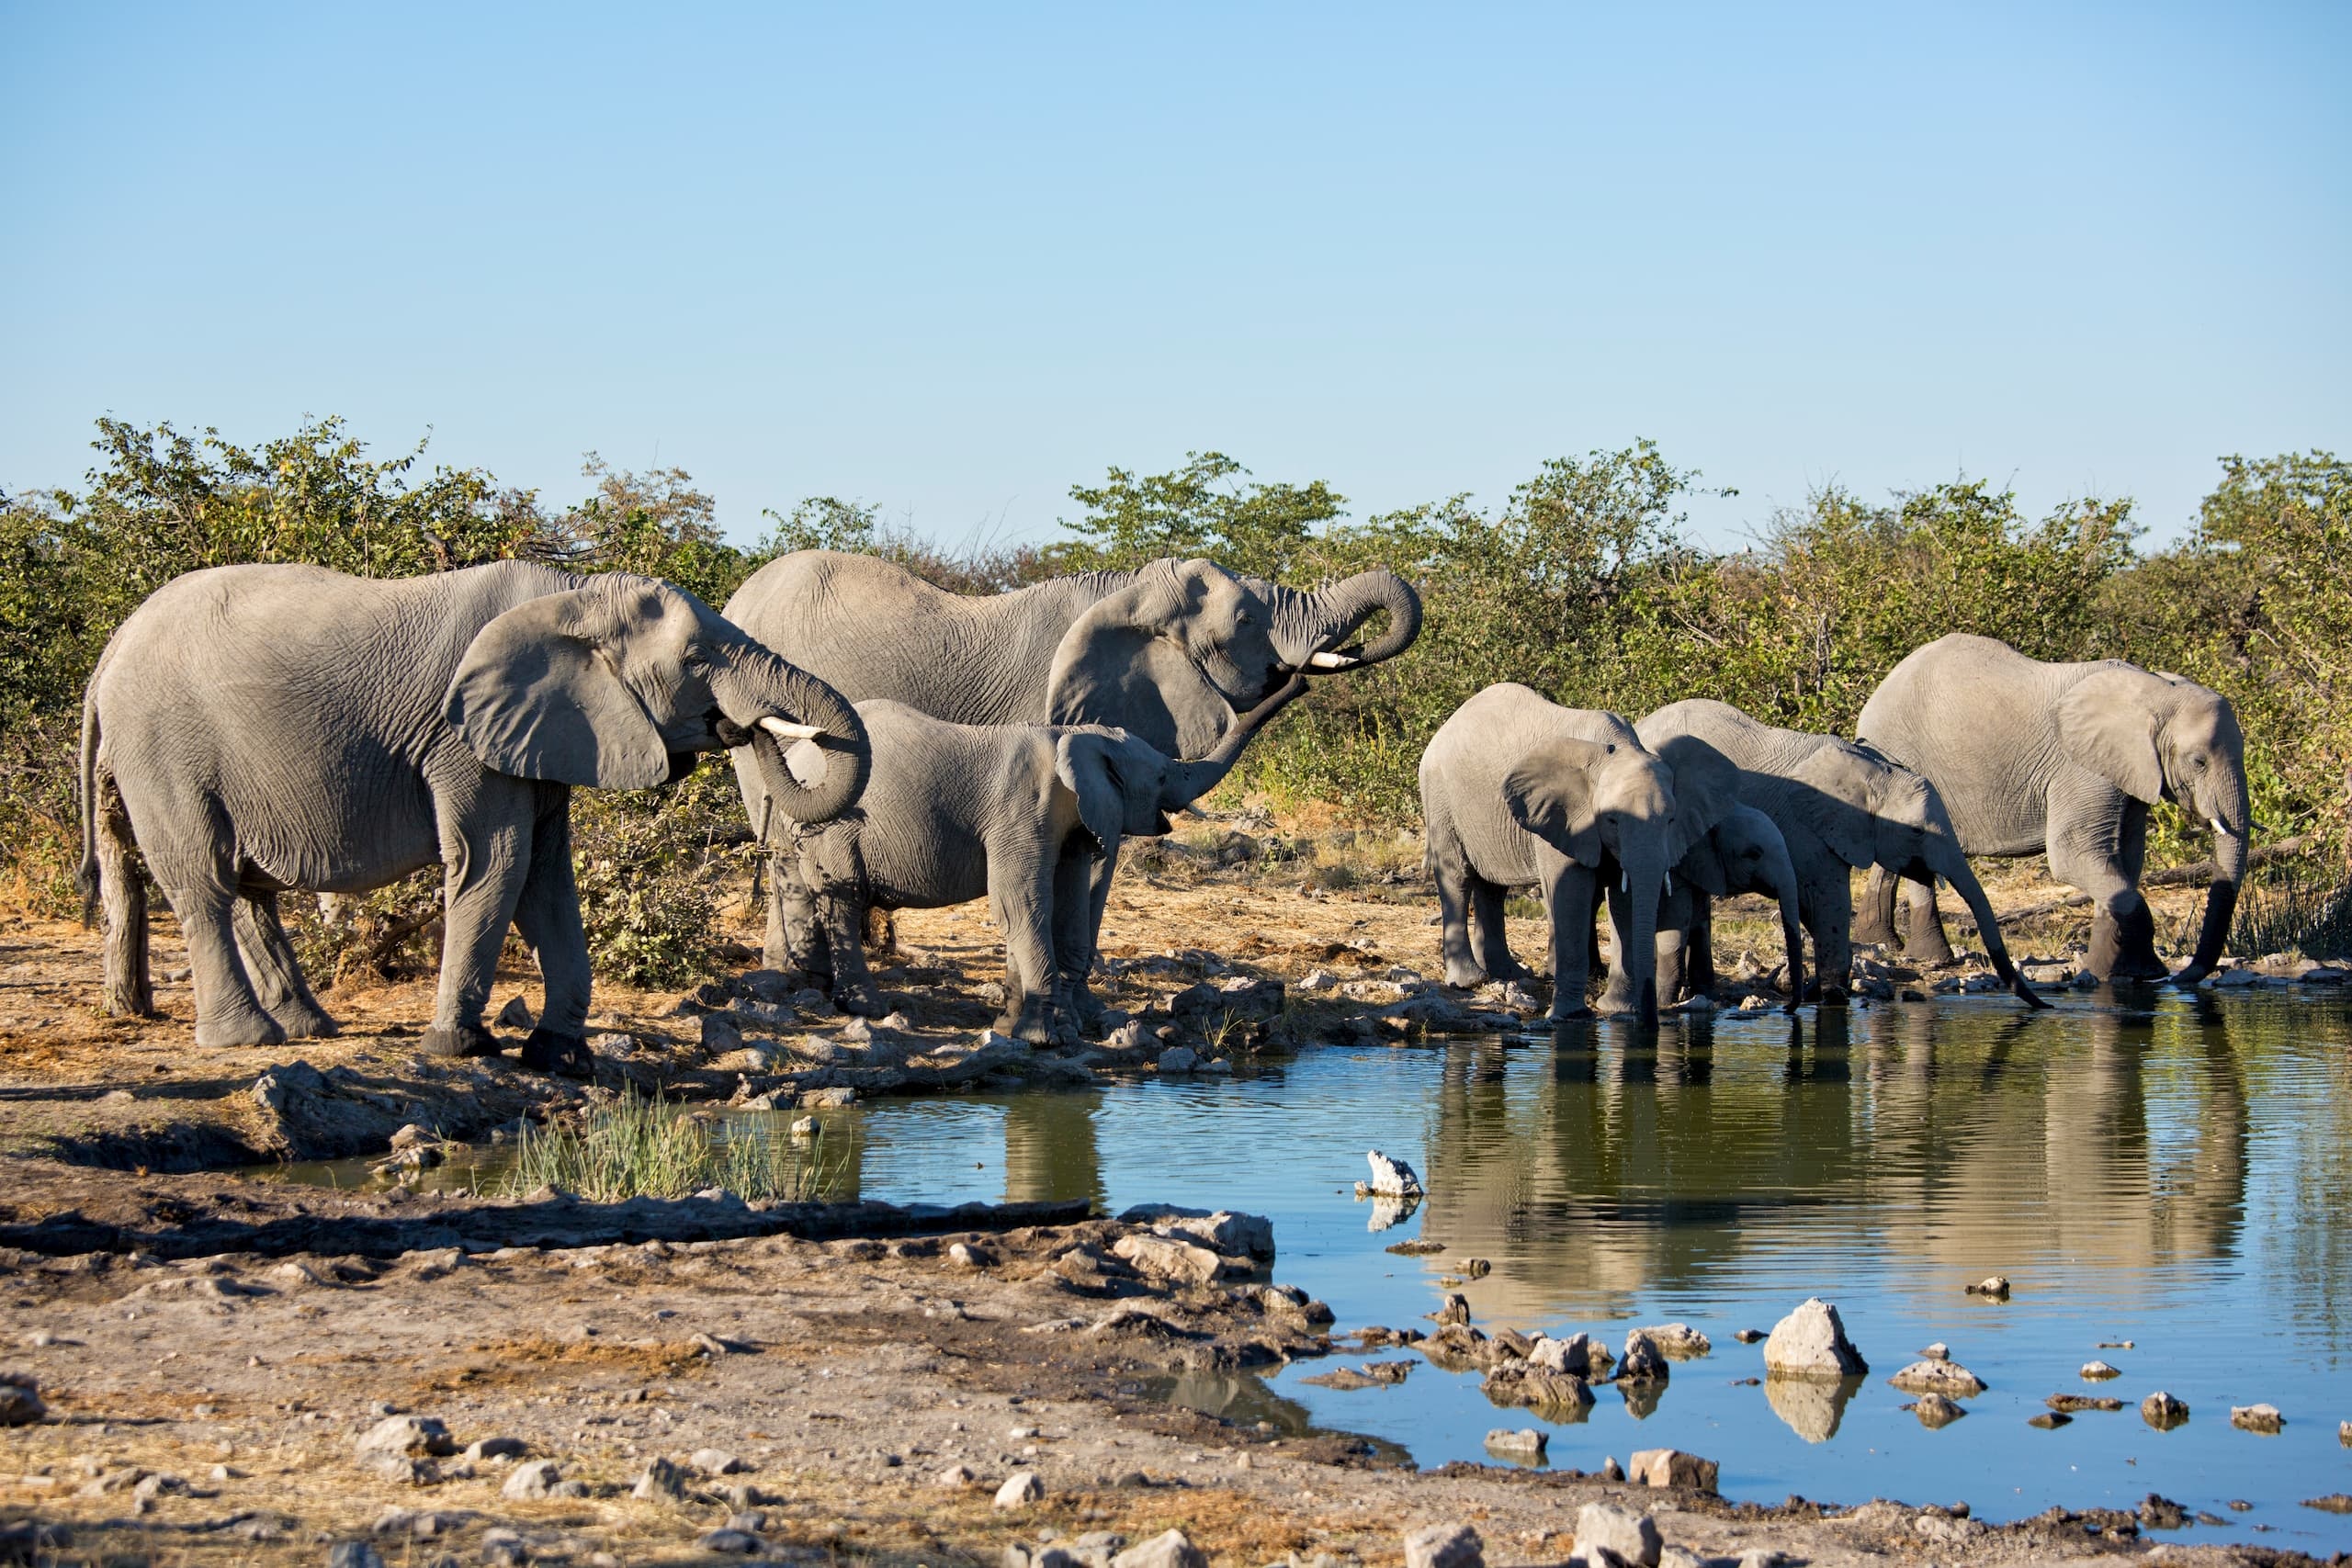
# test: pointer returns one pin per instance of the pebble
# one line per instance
(1611, 1470)
(1934, 1410)
(2162, 1411)
(1169, 1549)
(533, 1478)
(1524, 1442)
(1021, 1488)
(738, 1543)
(496, 1448)
(662, 1482)
(1612, 1527)
(410, 1435)
(1939, 1351)
(1672, 1467)
(1749, 1335)
(1643, 1361)
(958, 1475)
(2098, 1372)
(2050, 1419)
(2257, 1417)
(20, 1402)
(1444, 1546)
(1996, 1286)
(1945, 1377)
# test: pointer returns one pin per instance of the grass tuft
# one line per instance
(638, 1147)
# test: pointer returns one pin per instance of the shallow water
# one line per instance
(2176, 1173)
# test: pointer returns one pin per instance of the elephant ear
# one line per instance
(1121, 664)
(1087, 763)
(2108, 722)
(1701, 865)
(1835, 796)
(539, 696)
(1706, 788)
(1549, 792)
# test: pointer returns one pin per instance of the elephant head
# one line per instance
(1870, 810)
(1750, 854)
(618, 683)
(2158, 736)
(1185, 648)
(1591, 799)
(1126, 787)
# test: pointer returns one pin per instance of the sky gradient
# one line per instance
(952, 260)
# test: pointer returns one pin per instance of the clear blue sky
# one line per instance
(954, 259)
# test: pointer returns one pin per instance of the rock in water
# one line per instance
(1934, 1410)
(1680, 1341)
(1171, 1549)
(1672, 1467)
(2162, 1411)
(1572, 1356)
(1444, 1546)
(1811, 1343)
(1644, 1361)
(1995, 1286)
(1392, 1178)
(1631, 1536)
(1948, 1378)
(1527, 1442)
(2257, 1417)
(2097, 1371)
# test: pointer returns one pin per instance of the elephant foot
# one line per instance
(1085, 1013)
(566, 1054)
(1464, 976)
(1565, 1015)
(861, 1001)
(306, 1020)
(2123, 947)
(1925, 941)
(1829, 995)
(242, 1027)
(459, 1040)
(1619, 998)
(1030, 1024)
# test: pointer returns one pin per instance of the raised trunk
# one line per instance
(1953, 868)
(766, 687)
(1310, 624)
(1185, 783)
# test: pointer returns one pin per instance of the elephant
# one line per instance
(1516, 789)
(1018, 813)
(2066, 758)
(258, 728)
(1743, 853)
(1173, 653)
(1838, 805)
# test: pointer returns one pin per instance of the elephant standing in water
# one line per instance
(256, 728)
(1838, 805)
(1744, 854)
(1516, 789)
(1173, 653)
(2065, 758)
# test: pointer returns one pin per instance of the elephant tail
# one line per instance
(85, 876)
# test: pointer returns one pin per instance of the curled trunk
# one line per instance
(772, 688)
(1307, 624)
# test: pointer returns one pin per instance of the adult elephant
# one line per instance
(1516, 789)
(1173, 653)
(2066, 758)
(257, 729)
(1838, 805)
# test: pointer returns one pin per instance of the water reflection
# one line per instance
(1050, 1149)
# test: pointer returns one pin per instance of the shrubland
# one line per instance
(1586, 582)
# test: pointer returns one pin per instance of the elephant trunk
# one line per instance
(1185, 783)
(1644, 868)
(1952, 866)
(780, 703)
(1309, 627)
(1783, 872)
(2231, 843)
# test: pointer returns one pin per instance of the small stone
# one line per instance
(1672, 1467)
(1934, 1410)
(957, 1476)
(2076, 1404)
(2262, 1418)
(2050, 1420)
(21, 1403)
(2098, 1372)
(1455, 1308)
(1938, 1377)
(1611, 1470)
(1644, 1361)
(496, 1448)
(1526, 1442)
(2163, 1412)
(533, 1477)
(2159, 1512)
(1444, 1546)
(1939, 1351)
(1171, 1549)
(662, 1482)
(1167, 1258)
(720, 1034)
(2343, 1434)
(353, 1554)
(964, 1256)
(515, 1014)
(735, 1543)
(412, 1435)
(1811, 1343)
(1680, 1341)
(1748, 1335)
(1571, 1357)
(1021, 1488)
(715, 1462)
(1996, 1286)
(1392, 1178)
(804, 1128)
(1633, 1537)
(1178, 1059)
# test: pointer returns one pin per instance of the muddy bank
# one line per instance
(857, 1396)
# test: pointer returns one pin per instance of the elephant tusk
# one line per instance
(1670, 885)
(1331, 661)
(1624, 881)
(785, 729)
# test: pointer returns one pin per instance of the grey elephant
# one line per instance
(1516, 789)
(2065, 758)
(1838, 805)
(1018, 813)
(1743, 853)
(1173, 653)
(258, 728)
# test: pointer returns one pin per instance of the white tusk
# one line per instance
(1624, 881)
(1670, 885)
(1330, 662)
(2219, 831)
(785, 729)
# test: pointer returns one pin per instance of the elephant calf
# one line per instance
(1516, 789)
(256, 728)
(1022, 814)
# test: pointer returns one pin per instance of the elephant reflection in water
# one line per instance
(1050, 1152)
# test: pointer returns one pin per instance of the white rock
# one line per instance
(1169, 1549)
(1672, 1467)
(1021, 1488)
(1444, 1546)
(1167, 1258)
(1680, 1341)
(2098, 1372)
(1948, 1378)
(533, 1477)
(407, 1435)
(1393, 1178)
(2257, 1417)
(1811, 1343)
(1633, 1537)
(1525, 1440)
(956, 1476)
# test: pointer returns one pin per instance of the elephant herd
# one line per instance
(256, 730)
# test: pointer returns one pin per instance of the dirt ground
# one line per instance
(210, 1348)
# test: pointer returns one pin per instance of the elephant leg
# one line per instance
(1077, 1013)
(1451, 870)
(1923, 923)
(1827, 898)
(485, 859)
(276, 974)
(1672, 944)
(2090, 841)
(1077, 987)
(1494, 952)
(129, 987)
(1699, 947)
(1019, 892)
(840, 912)
(1568, 899)
(1875, 922)
(227, 1011)
(548, 915)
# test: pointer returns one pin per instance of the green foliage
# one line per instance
(648, 863)
(638, 1147)
(1203, 509)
